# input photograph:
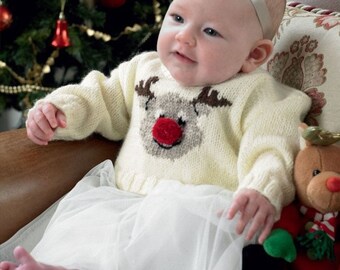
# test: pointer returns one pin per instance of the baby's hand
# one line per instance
(253, 206)
(42, 120)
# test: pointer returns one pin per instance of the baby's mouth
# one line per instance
(183, 57)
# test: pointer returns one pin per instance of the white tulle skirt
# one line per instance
(175, 227)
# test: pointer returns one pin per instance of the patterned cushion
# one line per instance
(307, 56)
(324, 4)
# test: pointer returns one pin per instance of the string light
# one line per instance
(27, 88)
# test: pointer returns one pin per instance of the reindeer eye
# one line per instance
(316, 172)
(159, 114)
(181, 122)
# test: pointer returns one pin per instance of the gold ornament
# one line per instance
(27, 88)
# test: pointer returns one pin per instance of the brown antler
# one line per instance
(211, 100)
(144, 89)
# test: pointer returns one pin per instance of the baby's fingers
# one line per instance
(61, 119)
(36, 135)
(263, 222)
(267, 229)
(238, 205)
(246, 216)
(22, 256)
(50, 113)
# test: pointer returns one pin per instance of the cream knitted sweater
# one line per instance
(237, 134)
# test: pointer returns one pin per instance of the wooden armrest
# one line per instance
(33, 177)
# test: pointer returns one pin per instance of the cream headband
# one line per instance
(263, 15)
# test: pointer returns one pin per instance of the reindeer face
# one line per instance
(170, 128)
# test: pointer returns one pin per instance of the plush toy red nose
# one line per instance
(333, 184)
(166, 131)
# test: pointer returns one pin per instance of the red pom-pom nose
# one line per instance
(333, 184)
(166, 131)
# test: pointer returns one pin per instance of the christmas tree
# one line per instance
(48, 43)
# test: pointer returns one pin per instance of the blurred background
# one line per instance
(48, 43)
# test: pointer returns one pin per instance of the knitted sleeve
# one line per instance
(270, 141)
(98, 104)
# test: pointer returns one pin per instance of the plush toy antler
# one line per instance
(318, 136)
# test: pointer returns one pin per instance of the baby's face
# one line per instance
(206, 42)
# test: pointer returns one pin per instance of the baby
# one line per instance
(209, 144)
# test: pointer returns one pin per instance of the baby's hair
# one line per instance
(276, 10)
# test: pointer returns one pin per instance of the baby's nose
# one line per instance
(186, 37)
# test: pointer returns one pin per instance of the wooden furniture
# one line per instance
(32, 177)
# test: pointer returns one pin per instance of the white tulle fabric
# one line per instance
(175, 227)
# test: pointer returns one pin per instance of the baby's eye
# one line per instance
(177, 18)
(211, 32)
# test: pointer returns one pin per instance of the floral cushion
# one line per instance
(307, 56)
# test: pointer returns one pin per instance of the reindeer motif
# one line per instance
(170, 128)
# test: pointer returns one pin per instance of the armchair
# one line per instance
(32, 178)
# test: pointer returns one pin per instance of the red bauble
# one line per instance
(5, 17)
(61, 38)
(112, 3)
